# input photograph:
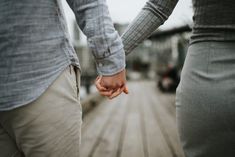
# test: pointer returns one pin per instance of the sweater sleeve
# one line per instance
(153, 14)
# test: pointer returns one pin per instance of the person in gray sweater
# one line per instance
(205, 96)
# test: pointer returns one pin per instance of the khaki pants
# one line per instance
(47, 127)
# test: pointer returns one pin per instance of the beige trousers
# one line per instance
(47, 127)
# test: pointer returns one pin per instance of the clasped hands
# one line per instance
(112, 86)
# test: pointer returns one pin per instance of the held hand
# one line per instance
(112, 86)
(109, 92)
(118, 92)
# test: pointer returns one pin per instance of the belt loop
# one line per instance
(77, 80)
(70, 69)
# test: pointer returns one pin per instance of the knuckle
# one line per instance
(119, 84)
(112, 86)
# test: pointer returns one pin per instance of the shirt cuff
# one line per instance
(112, 64)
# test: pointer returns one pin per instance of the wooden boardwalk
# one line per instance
(141, 124)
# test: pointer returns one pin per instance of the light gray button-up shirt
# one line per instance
(35, 47)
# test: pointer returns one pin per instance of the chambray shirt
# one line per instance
(35, 47)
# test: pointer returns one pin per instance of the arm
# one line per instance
(94, 20)
(153, 14)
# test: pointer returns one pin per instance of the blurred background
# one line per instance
(160, 57)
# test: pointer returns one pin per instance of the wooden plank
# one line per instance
(132, 144)
(109, 143)
(156, 144)
(167, 125)
(141, 124)
(88, 119)
(168, 100)
(94, 124)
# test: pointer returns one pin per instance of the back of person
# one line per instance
(214, 20)
(205, 96)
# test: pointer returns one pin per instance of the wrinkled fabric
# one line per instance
(35, 46)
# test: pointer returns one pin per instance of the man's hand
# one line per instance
(112, 86)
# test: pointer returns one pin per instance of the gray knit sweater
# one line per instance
(214, 20)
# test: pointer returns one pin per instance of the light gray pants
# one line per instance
(47, 127)
(205, 100)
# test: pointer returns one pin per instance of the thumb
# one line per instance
(126, 91)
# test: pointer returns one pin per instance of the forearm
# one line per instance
(94, 20)
(154, 14)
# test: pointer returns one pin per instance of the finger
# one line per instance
(106, 93)
(97, 78)
(116, 93)
(115, 90)
(98, 86)
(126, 91)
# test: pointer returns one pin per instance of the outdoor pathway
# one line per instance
(141, 124)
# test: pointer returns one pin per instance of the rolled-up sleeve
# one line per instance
(106, 45)
(153, 14)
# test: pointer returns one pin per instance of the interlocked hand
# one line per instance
(112, 86)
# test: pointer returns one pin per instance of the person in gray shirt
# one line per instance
(205, 96)
(40, 111)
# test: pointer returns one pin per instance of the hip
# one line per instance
(208, 75)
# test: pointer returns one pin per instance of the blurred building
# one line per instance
(170, 47)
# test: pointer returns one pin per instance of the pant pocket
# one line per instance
(78, 80)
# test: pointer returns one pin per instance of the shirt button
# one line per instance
(100, 64)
